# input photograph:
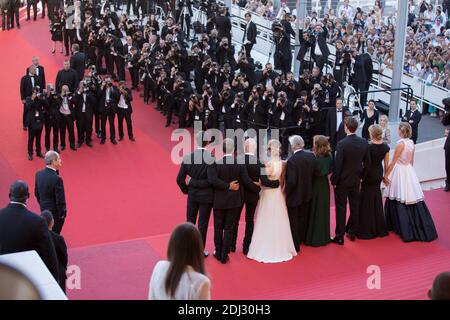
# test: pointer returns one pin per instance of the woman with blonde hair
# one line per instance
(371, 215)
(405, 209)
(386, 132)
(272, 239)
(318, 231)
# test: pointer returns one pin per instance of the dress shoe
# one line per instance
(99, 135)
(63, 148)
(66, 54)
(233, 249)
(206, 254)
(447, 187)
(245, 250)
(27, 19)
(39, 155)
(89, 144)
(120, 138)
(167, 124)
(73, 148)
(79, 144)
(102, 141)
(338, 241)
(57, 150)
(132, 139)
(25, 129)
(351, 236)
(218, 257)
(30, 157)
(114, 141)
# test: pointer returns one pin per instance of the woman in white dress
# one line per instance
(272, 239)
(405, 209)
(183, 276)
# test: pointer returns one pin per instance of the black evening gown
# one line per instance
(371, 215)
(368, 122)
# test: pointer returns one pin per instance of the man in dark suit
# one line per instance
(300, 169)
(35, 122)
(23, 230)
(199, 190)
(352, 161)
(124, 111)
(250, 198)
(335, 117)
(305, 47)
(320, 51)
(107, 107)
(27, 84)
(68, 77)
(49, 190)
(223, 25)
(60, 248)
(84, 102)
(360, 77)
(413, 117)
(34, 4)
(40, 73)
(226, 176)
(249, 38)
(78, 62)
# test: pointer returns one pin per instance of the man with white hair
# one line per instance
(300, 169)
(49, 190)
(249, 197)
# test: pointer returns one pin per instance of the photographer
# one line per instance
(256, 114)
(84, 102)
(181, 93)
(183, 15)
(247, 68)
(446, 122)
(237, 112)
(283, 53)
(223, 24)
(124, 110)
(35, 121)
(301, 116)
(196, 112)
(107, 107)
(226, 100)
(66, 117)
(268, 75)
(211, 104)
(51, 118)
(341, 69)
(132, 65)
(304, 53)
(319, 47)
(225, 53)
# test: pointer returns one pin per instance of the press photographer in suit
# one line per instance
(84, 101)
(35, 121)
(107, 107)
(27, 84)
(124, 110)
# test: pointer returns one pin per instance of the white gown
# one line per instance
(272, 239)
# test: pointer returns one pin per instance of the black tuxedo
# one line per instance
(321, 41)
(250, 198)
(125, 113)
(23, 230)
(223, 26)
(352, 161)
(331, 130)
(66, 77)
(227, 203)
(35, 123)
(300, 170)
(107, 110)
(62, 258)
(249, 37)
(40, 73)
(84, 113)
(26, 90)
(413, 118)
(78, 63)
(200, 192)
(49, 192)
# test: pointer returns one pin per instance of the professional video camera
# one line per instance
(277, 30)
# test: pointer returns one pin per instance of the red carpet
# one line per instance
(123, 203)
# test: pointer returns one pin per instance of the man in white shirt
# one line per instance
(124, 110)
(67, 118)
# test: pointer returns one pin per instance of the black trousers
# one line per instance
(110, 64)
(108, 115)
(66, 123)
(97, 122)
(44, 3)
(340, 196)
(250, 209)
(224, 221)
(121, 114)
(29, 4)
(203, 212)
(129, 4)
(59, 223)
(34, 137)
(49, 127)
(447, 165)
(24, 115)
(120, 67)
(320, 61)
(299, 219)
(134, 74)
(69, 36)
(359, 87)
(84, 127)
(248, 49)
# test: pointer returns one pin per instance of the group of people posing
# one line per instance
(292, 198)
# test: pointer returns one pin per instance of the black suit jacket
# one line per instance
(250, 34)
(78, 101)
(114, 96)
(49, 192)
(351, 162)
(78, 63)
(223, 25)
(69, 78)
(195, 165)
(41, 75)
(415, 117)
(300, 170)
(254, 170)
(26, 86)
(61, 256)
(221, 174)
(23, 230)
(321, 39)
(331, 130)
(446, 122)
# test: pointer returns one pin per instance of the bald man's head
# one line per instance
(441, 287)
